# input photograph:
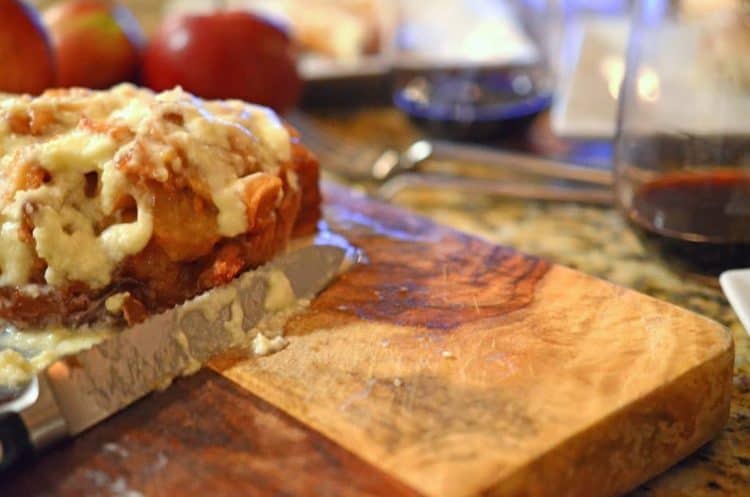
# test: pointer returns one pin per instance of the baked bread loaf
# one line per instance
(118, 204)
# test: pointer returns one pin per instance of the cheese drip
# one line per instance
(108, 137)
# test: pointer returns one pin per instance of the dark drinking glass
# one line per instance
(683, 142)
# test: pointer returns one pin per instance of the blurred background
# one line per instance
(468, 69)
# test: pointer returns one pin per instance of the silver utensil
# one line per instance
(487, 170)
(78, 391)
(511, 189)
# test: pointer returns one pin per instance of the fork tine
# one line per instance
(311, 132)
(326, 143)
(344, 157)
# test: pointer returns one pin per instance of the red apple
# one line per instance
(97, 43)
(224, 54)
(27, 64)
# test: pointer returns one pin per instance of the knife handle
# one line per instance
(15, 441)
(30, 423)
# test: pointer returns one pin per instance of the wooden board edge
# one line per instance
(652, 435)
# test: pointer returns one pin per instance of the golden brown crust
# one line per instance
(185, 256)
(156, 197)
(308, 176)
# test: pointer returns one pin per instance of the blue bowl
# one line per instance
(472, 105)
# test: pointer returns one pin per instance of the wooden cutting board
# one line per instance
(443, 366)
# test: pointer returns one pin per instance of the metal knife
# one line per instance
(76, 392)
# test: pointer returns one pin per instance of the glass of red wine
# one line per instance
(682, 151)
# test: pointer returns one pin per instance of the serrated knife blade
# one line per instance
(78, 391)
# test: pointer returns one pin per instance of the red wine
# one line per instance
(698, 220)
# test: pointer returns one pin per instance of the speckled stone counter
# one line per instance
(597, 241)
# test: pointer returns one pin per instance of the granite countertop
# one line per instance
(595, 240)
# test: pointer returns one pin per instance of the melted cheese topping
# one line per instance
(119, 134)
(15, 370)
(24, 353)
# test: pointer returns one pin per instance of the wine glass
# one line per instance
(682, 149)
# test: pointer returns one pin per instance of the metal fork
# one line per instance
(495, 172)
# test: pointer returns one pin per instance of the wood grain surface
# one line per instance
(468, 369)
(443, 366)
(201, 436)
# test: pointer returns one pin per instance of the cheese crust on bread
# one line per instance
(118, 204)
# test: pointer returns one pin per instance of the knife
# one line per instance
(76, 392)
